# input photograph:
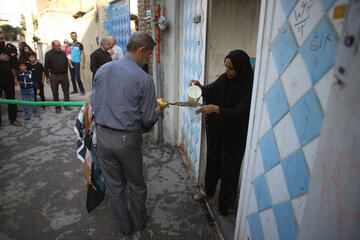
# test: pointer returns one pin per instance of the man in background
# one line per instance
(115, 51)
(77, 56)
(56, 72)
(100, 56)
(8, 80)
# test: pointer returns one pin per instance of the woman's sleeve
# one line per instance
(210, 91)
(238, 115)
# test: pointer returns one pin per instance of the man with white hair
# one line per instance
(115, 51)
(125, 106)
(100, 56)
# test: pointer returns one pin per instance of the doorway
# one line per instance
(232, 24)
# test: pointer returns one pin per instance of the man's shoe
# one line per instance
(42, 109)
(16, 123)
(27, 118)
(67, 108)
(37, 115)
(19, 110)
(82, 93)
(58, 110)
(73, 92)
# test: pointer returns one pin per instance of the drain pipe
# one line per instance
(158, 128)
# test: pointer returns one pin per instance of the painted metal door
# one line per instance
(119, 17)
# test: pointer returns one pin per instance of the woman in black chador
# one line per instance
(25, 52)
(227, 115)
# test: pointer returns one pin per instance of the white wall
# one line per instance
(333, 208)
(170, 68)
(232, 24)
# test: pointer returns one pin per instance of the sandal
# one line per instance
(200, 195)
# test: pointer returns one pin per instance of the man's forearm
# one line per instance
(14, 73)
(4, 58)
(47, 73)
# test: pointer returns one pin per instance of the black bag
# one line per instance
(94, 198)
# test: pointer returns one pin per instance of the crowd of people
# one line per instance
(22, 68)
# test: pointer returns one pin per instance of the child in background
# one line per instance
(67, 50)
(27, 83)
(38, 74)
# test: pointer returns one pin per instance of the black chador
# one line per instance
(226, 132)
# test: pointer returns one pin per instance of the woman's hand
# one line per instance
(195, 82)
(207, 109)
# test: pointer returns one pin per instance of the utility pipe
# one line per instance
(155, 68)
(158, 37)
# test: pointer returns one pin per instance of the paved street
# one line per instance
(43, 188)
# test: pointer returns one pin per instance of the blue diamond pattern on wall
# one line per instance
(319, 49)
(286, 222)
(327, 4)
(276, 102)
(281, 181)
(262, 193)
(284, 47)
(269, 150)
(296, 173)
(193, 64)
(256, 231)
(288, 5)
(307, 116)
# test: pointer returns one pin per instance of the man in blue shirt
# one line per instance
(125, 106)
(77, 53)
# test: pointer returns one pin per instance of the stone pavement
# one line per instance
(43, 188)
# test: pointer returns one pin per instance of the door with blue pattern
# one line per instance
(119, 17)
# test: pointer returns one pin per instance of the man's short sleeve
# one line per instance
(41, 68)
(81, 47)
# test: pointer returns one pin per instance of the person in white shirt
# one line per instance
(115, 51)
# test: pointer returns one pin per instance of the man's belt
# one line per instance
(114, 129)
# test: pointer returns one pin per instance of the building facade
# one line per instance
(56, 19)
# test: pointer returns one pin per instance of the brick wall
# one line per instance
(143, 6)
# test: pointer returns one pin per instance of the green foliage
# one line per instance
(10, 32)
(35, 21)
(22, 22)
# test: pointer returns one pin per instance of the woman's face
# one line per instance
(26, 49)
(229, 69)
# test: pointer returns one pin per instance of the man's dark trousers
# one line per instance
(9, 90)
(75, 74)
(63, 80)
(120, 156)
(42, 94)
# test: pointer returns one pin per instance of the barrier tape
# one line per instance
(28, 103)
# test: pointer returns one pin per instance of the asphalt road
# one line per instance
(43, 189)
